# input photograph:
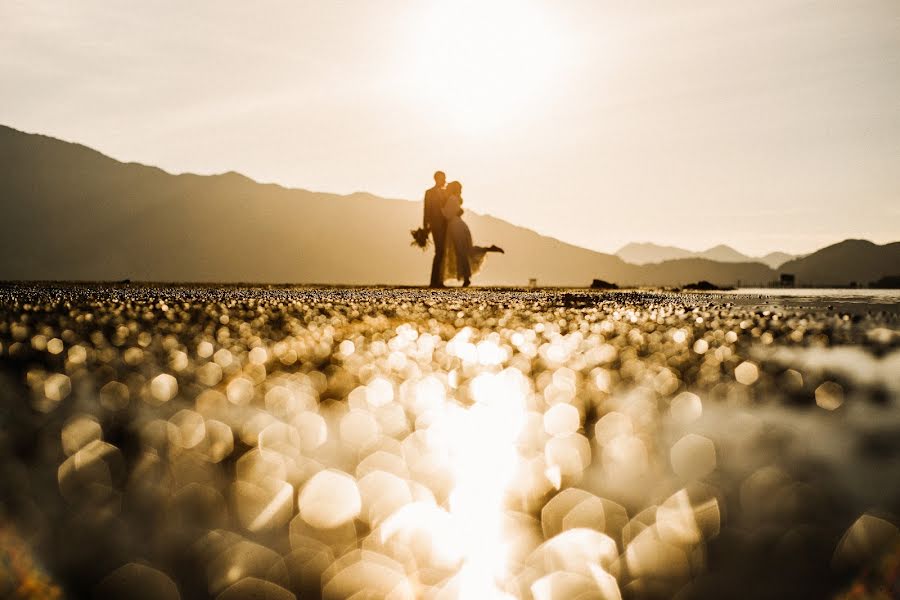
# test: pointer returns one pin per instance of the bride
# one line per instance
(461, 258)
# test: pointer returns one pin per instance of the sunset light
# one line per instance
(483, 65)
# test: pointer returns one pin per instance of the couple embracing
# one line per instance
(455, 257)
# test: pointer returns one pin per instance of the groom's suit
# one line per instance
(434, 220)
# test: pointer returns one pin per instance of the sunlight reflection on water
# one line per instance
(860, 295)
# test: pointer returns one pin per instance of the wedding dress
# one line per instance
(461, 258)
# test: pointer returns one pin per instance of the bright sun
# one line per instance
(481, 64)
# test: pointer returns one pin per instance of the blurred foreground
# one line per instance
(200, 442)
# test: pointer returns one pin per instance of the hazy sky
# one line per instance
(771, 124)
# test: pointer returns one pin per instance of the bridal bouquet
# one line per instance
(420, 237)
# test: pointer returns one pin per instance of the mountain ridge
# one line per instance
(641, 253)
(73, 212)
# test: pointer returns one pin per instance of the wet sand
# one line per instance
(204, 442)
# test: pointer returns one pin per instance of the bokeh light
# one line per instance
(305, 443)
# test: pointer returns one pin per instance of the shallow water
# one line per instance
(828, 295)
(196, 442)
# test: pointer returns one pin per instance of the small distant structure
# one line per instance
(705, 286)
(532, 283)
(788, 280)
(600, 284)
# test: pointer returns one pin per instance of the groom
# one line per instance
(433, 220)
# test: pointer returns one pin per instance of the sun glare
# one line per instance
(480, 65)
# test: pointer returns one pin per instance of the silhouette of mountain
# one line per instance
(723, 253)
(645, 253)
(648, 252)
(72, 213)
(850, 261)
(776, 259)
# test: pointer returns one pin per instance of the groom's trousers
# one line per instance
(437, 265)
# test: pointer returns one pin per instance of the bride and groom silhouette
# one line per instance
(455, 257)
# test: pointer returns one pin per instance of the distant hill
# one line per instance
(850, 261)
(72, 213)
(776, 259)
(645, 253)
(723, 253)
